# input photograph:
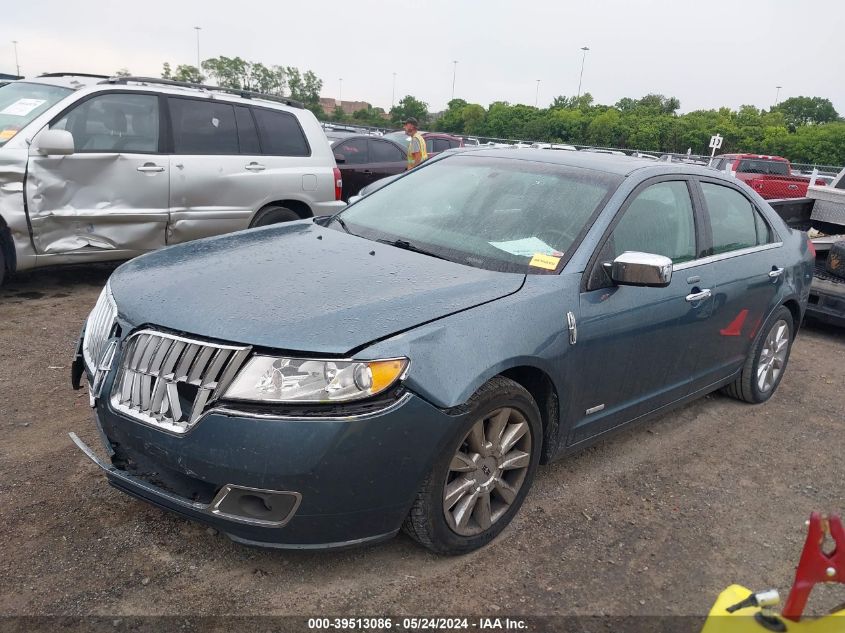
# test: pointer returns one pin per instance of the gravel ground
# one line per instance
(656, 520)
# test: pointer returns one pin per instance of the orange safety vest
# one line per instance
(423, 151)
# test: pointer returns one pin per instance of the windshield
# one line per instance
(493, 213)
(400, 137)
(21, 102)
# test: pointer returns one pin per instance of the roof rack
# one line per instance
(246, 94)
(73, 75)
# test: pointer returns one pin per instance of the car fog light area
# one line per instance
(273, 379)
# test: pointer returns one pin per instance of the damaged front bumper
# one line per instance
(286, 482)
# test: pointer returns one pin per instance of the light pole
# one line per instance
(454, 73)
(393, 95)
(340, 92)
(777, 95)
(537, 95)
(198, 29)
(17, 65)
(581, 76)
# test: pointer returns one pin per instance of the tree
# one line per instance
(183, 72)
(807, 110)
(338, 114)
(266, 80)
(122, 72)
(409, 106)
(228, 72)
(303, 87)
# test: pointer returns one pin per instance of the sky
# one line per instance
(707, 54)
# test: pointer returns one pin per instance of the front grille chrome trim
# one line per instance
(98, 329)
(155, 363)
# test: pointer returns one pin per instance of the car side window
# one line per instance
(280, 133)
(354, 151)
(247, 134)
(734, 222)
(203, 127)
(659, 220)
(441, 145)
(384, 152)
(114, 122)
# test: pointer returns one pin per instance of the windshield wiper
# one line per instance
(406, 245)
(340, 221)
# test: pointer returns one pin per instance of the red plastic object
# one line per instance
(815, 565)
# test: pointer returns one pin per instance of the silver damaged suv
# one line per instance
(95, 168)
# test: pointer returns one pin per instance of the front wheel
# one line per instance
(478, 485)
(763, 370)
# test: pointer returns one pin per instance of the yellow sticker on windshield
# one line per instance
(544, 261)
(7, 134)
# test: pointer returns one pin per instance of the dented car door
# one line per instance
(112, 193)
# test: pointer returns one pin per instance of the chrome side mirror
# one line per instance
(641, 269)
(53, 143)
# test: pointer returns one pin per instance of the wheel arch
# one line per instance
(297, 206)
(541, 387)
(795, 309)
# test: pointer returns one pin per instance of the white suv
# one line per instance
(95, 168)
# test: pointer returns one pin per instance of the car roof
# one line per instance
(94, 83)
(608, 163)
(336, 137)
(65, 80)
(752, 156)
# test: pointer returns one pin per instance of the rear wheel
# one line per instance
(763, 370)
(478, 485)
(274, 215)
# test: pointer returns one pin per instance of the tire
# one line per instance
(2, 265)
(274, 215)
(752, 385)
(438, 523)
(835, 264)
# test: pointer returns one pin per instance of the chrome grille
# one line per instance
(168, 381)
(98, 329)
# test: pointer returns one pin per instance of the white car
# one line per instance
(99, 168)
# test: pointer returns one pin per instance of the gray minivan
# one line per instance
(95, 168)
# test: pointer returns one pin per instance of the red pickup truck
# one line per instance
(770, 176)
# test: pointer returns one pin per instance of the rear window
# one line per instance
(203, 127)
(763, 166)
(734, 222)
(280, 133)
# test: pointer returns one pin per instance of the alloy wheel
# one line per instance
(487, 471)
(773, 356)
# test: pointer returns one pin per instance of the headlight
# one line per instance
(272, 379)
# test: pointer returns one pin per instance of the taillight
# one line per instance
(338, 184)
(811, 247)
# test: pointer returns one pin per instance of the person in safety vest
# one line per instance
(416, 147)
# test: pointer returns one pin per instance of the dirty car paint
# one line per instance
(299, 286)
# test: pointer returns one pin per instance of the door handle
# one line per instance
(150, 167)
(698, 296)
(775, 272)
(367, 172)
(255, 167)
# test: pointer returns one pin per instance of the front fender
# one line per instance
(452, 357)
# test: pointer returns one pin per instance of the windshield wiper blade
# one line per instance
(406, 245)
(340, 221)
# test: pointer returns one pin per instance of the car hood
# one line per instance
(298, 287)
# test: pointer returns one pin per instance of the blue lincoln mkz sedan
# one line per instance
(410, 361)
